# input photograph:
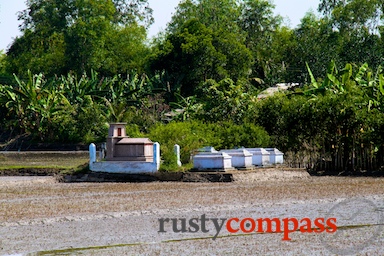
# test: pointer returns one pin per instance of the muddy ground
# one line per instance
(40, 216)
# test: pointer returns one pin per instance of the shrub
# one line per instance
(232, 135)
(193, 135)
(189, 135)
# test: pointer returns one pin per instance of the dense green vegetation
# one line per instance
(81, 64)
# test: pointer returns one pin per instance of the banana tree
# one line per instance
(343, 81)
(335, 81)
(34, 103)
(125, 94)
(373, 84)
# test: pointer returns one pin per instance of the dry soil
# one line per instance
(40, 216)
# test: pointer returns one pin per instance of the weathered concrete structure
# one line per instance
(131, 167)
(260, 156)
(209, 159)
(124, 154)
(275, 156)
(122, 148)
(241, 158)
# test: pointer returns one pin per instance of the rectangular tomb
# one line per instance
(208, 159)
(275, 156)
(260, 156)
(122, 148)
(241, 158)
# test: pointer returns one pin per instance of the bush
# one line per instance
(232, 135)
(226, 100)
(193, 135)
(189, 135)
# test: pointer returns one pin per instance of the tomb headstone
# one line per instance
(92, 153)
(176, 149)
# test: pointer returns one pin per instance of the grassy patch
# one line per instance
(18, 167)
(175, 167)
(42, 163)
(84, 168)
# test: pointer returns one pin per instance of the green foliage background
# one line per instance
(81, 64)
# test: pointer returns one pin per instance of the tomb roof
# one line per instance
(134, 141)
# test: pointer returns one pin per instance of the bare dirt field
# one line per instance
(40, 216)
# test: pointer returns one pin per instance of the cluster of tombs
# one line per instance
(123, 154)
(243, 158)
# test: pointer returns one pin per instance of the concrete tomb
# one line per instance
(122, 148)
(275, 156)
(124, 154)
(241, 158)
(260, 156)
(209, 159)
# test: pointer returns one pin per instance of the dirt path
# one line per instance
(41, 217)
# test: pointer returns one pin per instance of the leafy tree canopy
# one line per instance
(214, 14)
(60, 36)
(60, 14)
(353, 14)
(196, 53)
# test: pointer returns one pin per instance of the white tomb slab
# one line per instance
(210, 159)
(260, 156)
(241, 158)
(275, 156)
